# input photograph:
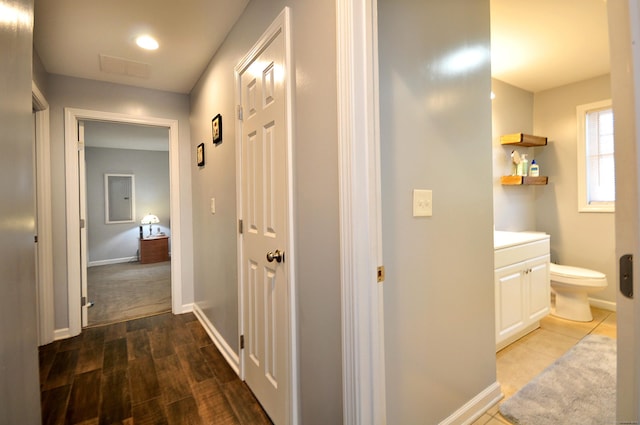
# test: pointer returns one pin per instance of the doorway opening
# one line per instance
(76, 217)
(126, 181)
(536, 95)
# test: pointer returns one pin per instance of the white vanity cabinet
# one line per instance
(522, 294)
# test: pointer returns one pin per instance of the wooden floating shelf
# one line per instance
(523, 180)
(521, 139)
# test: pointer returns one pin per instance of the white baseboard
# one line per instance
(61, 334)
(605, 305)
(227, 352)
(476, 407)
(186, 308)
(112, 261)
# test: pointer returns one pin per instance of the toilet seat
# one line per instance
(578, 276)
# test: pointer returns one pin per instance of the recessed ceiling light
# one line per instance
(147, 42)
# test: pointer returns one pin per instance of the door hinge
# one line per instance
(82, 223)
(380, 274)
(242, 342)
(240, 226)
(240, 117)
(35, 238)
(80, 145)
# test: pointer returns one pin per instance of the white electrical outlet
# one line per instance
(422, 203)
(213, 205)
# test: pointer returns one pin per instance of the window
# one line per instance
(596, 167)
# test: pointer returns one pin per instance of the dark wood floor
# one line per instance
(157, 370)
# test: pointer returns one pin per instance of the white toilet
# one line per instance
(572, 286)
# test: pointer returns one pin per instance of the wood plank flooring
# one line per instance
(161, 369)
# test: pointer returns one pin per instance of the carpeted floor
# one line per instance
(127, 291)
(579, 388)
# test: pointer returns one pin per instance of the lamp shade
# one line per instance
(150, 219)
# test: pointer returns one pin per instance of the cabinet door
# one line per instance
(539, 301)
(509, 294)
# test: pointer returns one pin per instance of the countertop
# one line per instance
(504, 239)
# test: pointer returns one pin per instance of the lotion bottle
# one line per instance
(534, 170)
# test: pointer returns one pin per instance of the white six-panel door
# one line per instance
(264, 211)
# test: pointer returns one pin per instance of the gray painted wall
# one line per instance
(512, 112)
(436, 134)
(151, 170)
(85, 94)
(578, 239)
(316, 195)
(19, 382)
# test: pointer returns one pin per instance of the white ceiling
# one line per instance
(69, 36)
(536, 44)
(541, 44)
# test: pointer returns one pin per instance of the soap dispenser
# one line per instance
(523, 166)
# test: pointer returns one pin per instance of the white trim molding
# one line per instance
(71, 118)
(225, 349)
(44, 227)
(476, 407)
(363, 368)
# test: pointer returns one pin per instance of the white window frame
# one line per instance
(583, 199)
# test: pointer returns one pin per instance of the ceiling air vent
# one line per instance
(120, 66)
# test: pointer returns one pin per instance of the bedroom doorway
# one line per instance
(126, 176)
(76, 216)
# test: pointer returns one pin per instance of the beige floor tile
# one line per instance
(568, 327)
(551, 343)
(518, 366)
(606, 330)
(499, 420)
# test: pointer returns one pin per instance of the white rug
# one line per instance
(578, 388)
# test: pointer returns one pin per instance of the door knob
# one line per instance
(275, 255)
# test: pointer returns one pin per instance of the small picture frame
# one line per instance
(216, 129)
(200, 155)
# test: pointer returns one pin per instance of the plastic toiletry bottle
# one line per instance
(534, 169)
(523, 167)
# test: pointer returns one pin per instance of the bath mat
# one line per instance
(578, 388)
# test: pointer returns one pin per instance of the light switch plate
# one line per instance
(422, 203)
(213, 205)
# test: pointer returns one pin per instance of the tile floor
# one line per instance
(521, 361)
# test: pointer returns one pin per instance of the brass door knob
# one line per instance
(275, 255)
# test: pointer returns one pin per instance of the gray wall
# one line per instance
(19, 384)
(436, 134)
(316, 195)
(578, 239)
(512, 112)
(85, 94)
(40, 76)
(151, 170)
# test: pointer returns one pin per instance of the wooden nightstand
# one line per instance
(154, 249)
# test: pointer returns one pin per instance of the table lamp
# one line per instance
(150, 219)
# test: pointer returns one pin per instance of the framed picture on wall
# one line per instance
(200, 155)
(216, 129)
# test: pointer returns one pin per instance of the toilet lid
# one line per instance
(575, 272)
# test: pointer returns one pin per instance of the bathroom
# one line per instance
(582, 239)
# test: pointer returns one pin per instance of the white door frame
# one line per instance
(364, 398)
(44, 228)
(624, 34)
(280, 24)
(71, 118)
